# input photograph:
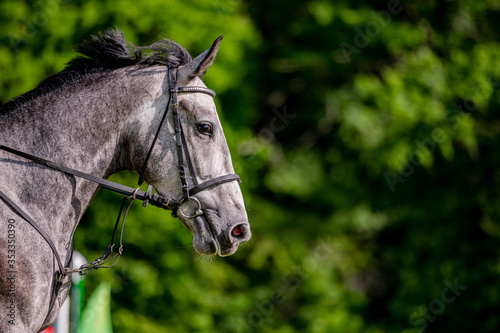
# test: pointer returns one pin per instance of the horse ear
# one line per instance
(199, 66)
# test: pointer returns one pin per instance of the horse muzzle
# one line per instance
(211, 236)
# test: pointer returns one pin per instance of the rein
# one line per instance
(130, 193)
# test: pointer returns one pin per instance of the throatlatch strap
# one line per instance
(141, 174)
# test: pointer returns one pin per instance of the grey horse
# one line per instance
(99, 116)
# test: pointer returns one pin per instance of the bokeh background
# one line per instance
(366, 135)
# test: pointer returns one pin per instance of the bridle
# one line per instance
(182, 148)
(131, 194)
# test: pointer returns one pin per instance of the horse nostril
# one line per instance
(237, 231)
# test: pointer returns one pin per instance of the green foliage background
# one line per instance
(377, 192)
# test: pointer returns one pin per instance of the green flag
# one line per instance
(96, 317)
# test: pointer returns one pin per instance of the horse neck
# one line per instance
(81, 126)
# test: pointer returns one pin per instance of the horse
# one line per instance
(114, 107)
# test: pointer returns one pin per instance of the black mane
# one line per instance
(102, 54)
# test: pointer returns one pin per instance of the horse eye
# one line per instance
(205, 128)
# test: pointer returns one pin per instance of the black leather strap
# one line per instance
(141, 172)
(188, 158)
(35, 225)
(59, 275)
(213, 182)
(153, 199)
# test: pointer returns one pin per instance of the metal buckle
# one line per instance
(198, 212)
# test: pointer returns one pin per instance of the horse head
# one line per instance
(212, 206)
